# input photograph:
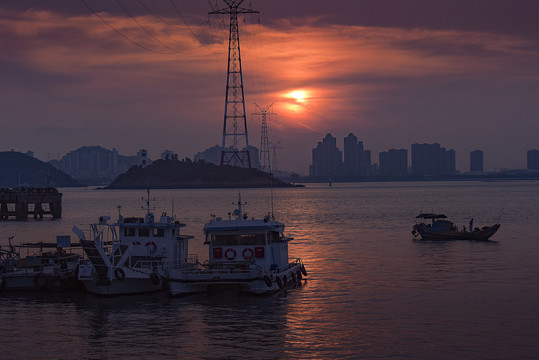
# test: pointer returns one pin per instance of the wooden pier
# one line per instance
(20, 203)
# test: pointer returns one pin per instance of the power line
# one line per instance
(185, 22)
(155, 15)
(121, 34)
(144, 29)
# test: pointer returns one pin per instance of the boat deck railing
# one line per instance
(190, 262)
(149, 264)
(291, 264)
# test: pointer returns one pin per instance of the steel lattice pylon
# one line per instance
(235, 121)
(265, 164)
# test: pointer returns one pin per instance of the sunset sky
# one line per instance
(463, 73)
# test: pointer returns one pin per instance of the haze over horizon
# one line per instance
(464, 74)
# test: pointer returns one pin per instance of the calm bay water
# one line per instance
(373, 291)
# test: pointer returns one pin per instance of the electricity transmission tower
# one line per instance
(235, 121)
(274, 148)
(265, 164)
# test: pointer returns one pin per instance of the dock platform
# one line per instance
(24, 202)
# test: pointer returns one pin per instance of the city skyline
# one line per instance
(394, 74)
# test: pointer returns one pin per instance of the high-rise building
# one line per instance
(357, 160)
(393, 163)
(327, 159)
(476, 161)
(533, 159)
(352, 156)
(432, 160)
(94, 164)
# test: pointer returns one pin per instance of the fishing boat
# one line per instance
(52, 267)
(249, 255)
(130, 255)
(441, 229)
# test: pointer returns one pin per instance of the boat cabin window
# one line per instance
(252, 239)
(159, 232)
(129, 231)
(144, 232)
(238, 239)
(275, 236)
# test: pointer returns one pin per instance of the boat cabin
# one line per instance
(261, 242)
(150, 238)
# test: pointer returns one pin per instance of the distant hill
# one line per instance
(174, 174)
(31, 172)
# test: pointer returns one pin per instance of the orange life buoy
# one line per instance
(230, 254)
(248, 253)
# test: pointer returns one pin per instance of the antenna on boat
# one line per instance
(173, 208)
(271, 199)
(148, 201)
(239, 211)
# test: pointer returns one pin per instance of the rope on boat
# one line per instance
(521, 233)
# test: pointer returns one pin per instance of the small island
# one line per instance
(186, 174)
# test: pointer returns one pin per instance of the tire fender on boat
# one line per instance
(40, 281)
(154, 277)
(120, 274)
(299, 275)
(285, 280)
(293, 275)
(279, 282)
(267, 280)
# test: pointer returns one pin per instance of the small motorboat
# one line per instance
(246, 255)
(51, 268)
(442, 229)
(131, 255)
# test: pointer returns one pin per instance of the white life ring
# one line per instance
(230, 254)
(248, 253)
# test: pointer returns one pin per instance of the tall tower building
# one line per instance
(235, 148)
(433, 160)
(327, 159)
(393, 163)
(352, 156)
(357, 160)
(476, 161)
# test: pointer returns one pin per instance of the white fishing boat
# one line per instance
(51, 268)
(250, 255)
(130, 256)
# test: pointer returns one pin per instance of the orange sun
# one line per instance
(296, 100)
(298, 95)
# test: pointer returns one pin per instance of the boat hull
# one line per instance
(189, 282)
(130, 282)
(123, 287)
(28, 279)
(483, 234)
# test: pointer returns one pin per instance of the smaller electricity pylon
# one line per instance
(265, 164)
(274, 148)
